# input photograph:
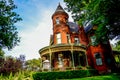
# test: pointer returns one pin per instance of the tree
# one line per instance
(1, 57)
(33, 64)
(102, 13)
(10, 64)
(22, 59)
(8, 31)
(2, 53)
(117, 46)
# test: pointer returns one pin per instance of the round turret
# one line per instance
(60, 25)
(59, 16)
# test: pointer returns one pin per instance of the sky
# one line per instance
(36, 26)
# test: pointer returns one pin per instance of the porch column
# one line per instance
(50, 54)
(86, 58)
(41, 63)
(79, 59)
(72, 57)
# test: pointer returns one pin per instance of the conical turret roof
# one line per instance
(59, 10)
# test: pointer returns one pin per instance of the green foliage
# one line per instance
(8, 31)
(1, 53)
(1, 57)
(22, 75)
(101, 77)
(33, 64)
(117, 46)
(10, 65)
(63, 74)
(103, 13)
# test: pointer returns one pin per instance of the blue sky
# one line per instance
(36, 26)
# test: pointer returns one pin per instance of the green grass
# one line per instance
(102, 77)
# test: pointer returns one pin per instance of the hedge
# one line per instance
(63, 74)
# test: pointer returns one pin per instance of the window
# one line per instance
(57, 21)
(98, 59)
(68, 38)
(93, 40)
(58, 38)
(76, 40)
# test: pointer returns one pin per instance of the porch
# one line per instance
(64, 56)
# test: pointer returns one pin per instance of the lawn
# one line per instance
(102, 77)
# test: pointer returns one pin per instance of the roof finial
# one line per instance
(59, 3)
(59, 8)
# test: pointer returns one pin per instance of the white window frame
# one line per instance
(58, 37)
(57, 21)
(76, 40)
(93, 39)
(68, 38)
(98, 59)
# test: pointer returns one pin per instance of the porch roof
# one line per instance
(62, 47)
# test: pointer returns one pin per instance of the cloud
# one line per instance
(34, 38)
(36, 28)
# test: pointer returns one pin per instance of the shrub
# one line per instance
(10, 65)
(89, 67)
(63, 74)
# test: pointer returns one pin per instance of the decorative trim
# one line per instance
(62, 47)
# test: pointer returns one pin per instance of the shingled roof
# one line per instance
(59, 9)
(74, 28)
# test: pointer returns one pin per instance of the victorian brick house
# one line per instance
(72, 45)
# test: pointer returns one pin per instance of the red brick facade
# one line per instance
(67, 33)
